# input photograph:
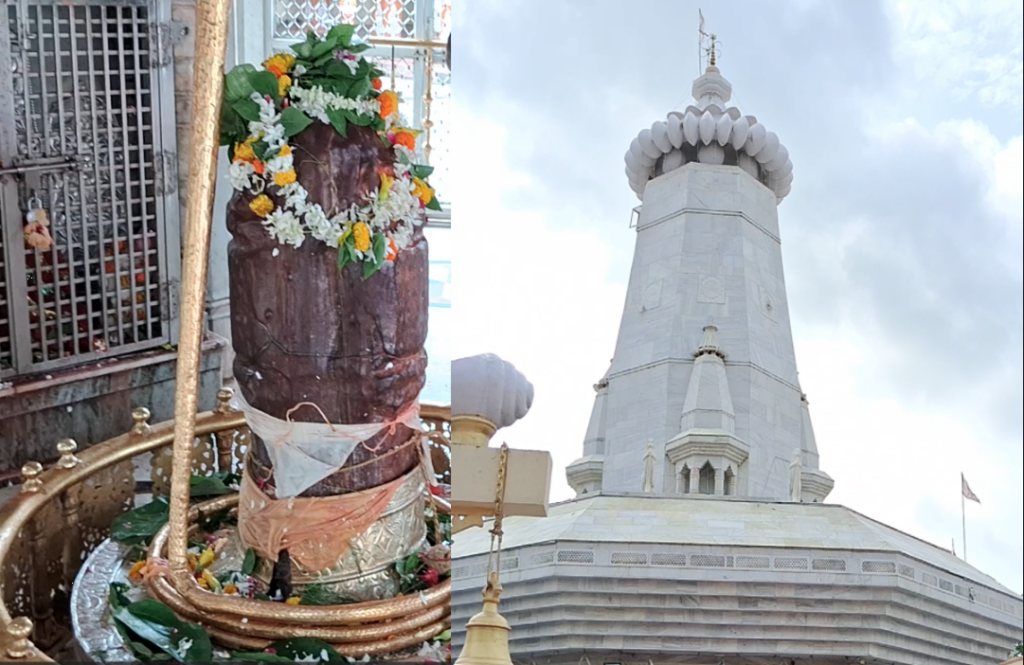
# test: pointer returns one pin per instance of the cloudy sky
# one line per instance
(902, 238)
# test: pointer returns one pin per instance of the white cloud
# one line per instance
(972, 48)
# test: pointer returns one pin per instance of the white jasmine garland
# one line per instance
(240, 174)
(315, 102)
(396, 216)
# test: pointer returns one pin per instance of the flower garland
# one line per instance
(326, 81)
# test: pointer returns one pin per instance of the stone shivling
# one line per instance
(699, 533)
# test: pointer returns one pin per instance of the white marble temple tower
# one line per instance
(704, 365)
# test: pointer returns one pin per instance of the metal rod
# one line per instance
(212, 19)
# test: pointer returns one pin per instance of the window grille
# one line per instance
(883, 567)
(87, 111)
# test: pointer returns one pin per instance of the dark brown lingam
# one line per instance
(303, 331)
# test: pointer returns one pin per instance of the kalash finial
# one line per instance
(708, 43)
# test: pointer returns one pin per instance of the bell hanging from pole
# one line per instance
(487, 632)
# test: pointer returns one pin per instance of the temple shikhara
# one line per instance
(700, 531)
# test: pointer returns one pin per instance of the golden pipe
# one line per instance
(212, 18)
(426, 634)
(410, 43)
(274, 630)
(338, 615)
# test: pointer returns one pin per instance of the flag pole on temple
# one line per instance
(965, 494)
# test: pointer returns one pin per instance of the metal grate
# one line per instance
(628, 559)
(829, 565)
(84, 99)
(542, 559)
(575, 556)
(907, 571)
(881, 567)
(753, 562)
(677, 560)
(511, 563)
(790, 563)
(707, 561)
(372, 18)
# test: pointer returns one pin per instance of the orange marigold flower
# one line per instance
(422, 191)
(230, 589)
(392, 252)
(283, 83)
(285, 178)
(135, 574)
(361, 237)
(280, 64)
(262, 206)
(388, 103)
(259, 166)
(405, 139)
(377, 84)
(244, 152)
(285, 151)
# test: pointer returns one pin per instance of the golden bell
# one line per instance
(487, 632)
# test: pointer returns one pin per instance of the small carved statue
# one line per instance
(649, 459)
(796, 470)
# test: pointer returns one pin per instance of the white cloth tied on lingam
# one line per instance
(304, 453)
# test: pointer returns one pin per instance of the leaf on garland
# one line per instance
(434, 205)
(294, 121)
(248, 109)
(422, 171)
(337, 118)
(266, 84)
(237, 84)
(342, 34)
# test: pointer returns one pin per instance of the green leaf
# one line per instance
(360, 88)
(140, 525)
(266, 84)
(249, 563)
(237, 85)
(342, 34)
(215, 485)
(422, 171)
(359, 48)
(258, 657)
(344, 255)
(379, 248)
(337, 118)
(248, 109)
(210, 522)
(305, 647)
(446, 636)
(434, 205)
(338, 69)
(303, 50)
(322, 49)
(261, 148)
(294, 121)
(154, 622)
(323, 60)
(358, 119)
